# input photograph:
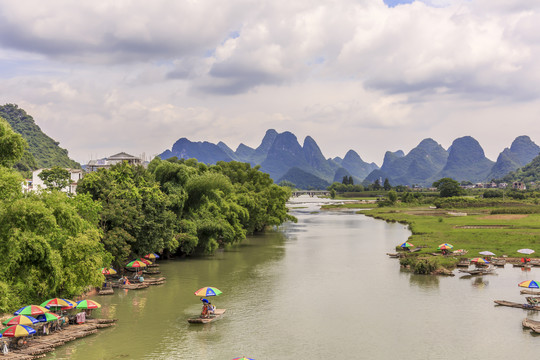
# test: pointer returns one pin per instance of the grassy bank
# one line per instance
(472, 229)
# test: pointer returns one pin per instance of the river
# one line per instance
(322, 288)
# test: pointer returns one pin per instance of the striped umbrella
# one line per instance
(21, 320)
(243, 358)
(31, 310)
(136, 264)
(406, 245)
(87, 304)
(57, 303)
(17, 331)
(47, 317)
(108, 271)
(479, 261)
(531, 284)
(152, 256)
(208, 291)
(146, 261)
(446, 246)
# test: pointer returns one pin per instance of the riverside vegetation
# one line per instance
(474, 222)
(53, 244)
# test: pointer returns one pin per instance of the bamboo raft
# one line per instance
(106, 291)
(534, 325)
(488, 270)
(38, 346)
(151, 272)
(203, 320)
(529, 292)
(394, 255)
(517, 305)
(498, 262)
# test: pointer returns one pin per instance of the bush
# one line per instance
(424, 266)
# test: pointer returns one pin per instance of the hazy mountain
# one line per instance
(43, 151)
(315, 159)
(204, 152)
(356, 166)
(304, 179)
(526, 174)
(466, 161)
(227, 150)
(284, 153)
(420, 164)
(522, 151)
(257, 156)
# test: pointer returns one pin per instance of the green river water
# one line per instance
(319, 289)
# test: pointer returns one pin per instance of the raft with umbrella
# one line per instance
(204, 319)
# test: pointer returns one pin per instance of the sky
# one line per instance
(373, 76)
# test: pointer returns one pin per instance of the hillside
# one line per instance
(526, 174)
(43, 151)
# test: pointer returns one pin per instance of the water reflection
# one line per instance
(479, 282)
(424, 281)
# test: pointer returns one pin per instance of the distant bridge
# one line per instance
(311, 193)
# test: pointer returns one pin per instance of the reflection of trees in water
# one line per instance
(479, 282)
(424, 281)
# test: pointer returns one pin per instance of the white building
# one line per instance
(75, 175)
(94, 165)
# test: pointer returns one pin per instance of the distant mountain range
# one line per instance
(282, 156)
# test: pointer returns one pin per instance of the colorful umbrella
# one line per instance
(31, 310)
(108, 271)
(445, 246)
(479, 261)
(87, 304)
(136, 264)
(47, 317)
(146, 261)
(57, 303)
(21, 320)
(208, 291)
(525, 251)
(406, 245)
(243, 358)
(529, 284)
(152, 256)
(18, 330)
(486, 253)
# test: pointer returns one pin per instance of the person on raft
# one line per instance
(204, 312)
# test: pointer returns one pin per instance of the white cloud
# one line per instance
(103, 76)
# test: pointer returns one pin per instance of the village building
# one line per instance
(74, 174)
(518, 185)
(94, 165)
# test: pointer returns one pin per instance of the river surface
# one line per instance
(322, 288)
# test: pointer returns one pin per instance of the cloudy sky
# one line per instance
(369, 75)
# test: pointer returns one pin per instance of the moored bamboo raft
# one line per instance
(38, 346)
(517, 305)
(151, 272)
(394, 255)
(106, 291)
(534, 325)
(498, 262)
(479, 271)
(529, 292)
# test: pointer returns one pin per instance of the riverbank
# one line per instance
(37, 346)
(471, 229)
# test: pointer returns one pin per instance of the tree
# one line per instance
(55, 178)
(392, 196)
(377, 185)
(387, 185)
(12, 145)
(448, 187)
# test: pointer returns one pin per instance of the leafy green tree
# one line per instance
(55, 178)
(448, 187)
(333, 193)
(392, 196)
(12, 145)
(387, 185)
(136, 217)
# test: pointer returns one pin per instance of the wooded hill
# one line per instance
(43, 151)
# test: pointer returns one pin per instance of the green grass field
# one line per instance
(477, 231)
